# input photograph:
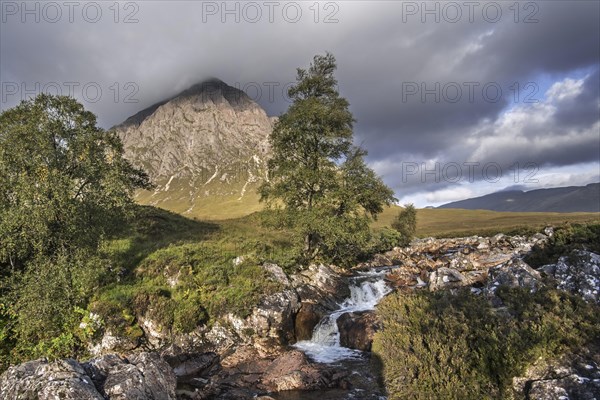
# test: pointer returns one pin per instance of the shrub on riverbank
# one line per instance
(440, 345)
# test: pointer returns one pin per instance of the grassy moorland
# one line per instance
(457, 222)
(235, 217)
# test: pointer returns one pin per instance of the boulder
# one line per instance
(155, 333)
(40, 380)
(446, 278)
(142, 376)
(357, 329)
(575, 376)
(273, 318)
(190, 366)
(307, 318)
(277, 273)
(111, 343)
(292, 371)
(514, 273)
(321, 284)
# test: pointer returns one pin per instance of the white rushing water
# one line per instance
(366, 290)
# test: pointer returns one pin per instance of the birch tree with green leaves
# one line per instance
(319, 183)
(64, 185)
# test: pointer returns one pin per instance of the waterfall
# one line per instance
(366, 290)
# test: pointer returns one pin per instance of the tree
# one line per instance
(64, 184)
(406, 224)
(318, 181)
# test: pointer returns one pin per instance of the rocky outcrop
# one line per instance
(321, 290)
(484, 264)
(480, 263)
(140, 376)
(321, 284)
(514, 273)
(272, 322)
(63, 379)
(579, 273)
(569, 377)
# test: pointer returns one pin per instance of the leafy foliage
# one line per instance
(318, 181)
(406, 224)
(383, 240)
(64, 181)
(440, 345)
(64, 185)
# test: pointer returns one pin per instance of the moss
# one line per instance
(189, 313)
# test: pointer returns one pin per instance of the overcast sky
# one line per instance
(452, 99)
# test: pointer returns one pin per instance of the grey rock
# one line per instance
(112, 343)
(514, 273)
(321, 284)
(274, 317)
(277, 272)
(574, 376)
(579, 273)
(446, 278)
(144, 376)
(40, 380)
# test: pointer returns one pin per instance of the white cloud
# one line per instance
(566, 89)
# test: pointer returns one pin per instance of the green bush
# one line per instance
(566, 239)
(445, 346)
(384, 240)
(406, 224)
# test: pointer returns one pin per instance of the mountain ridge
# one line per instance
(561, 199)
(204, 148)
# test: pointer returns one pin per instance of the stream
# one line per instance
(366, 290)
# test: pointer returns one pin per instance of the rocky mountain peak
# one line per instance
(205, 149)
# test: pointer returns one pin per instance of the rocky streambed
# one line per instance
(312, 339)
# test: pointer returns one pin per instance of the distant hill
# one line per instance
(205, 149)
(563, 199)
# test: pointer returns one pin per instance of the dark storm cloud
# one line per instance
(399, 73)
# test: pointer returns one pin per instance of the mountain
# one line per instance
(562, 199)
(205, 149)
